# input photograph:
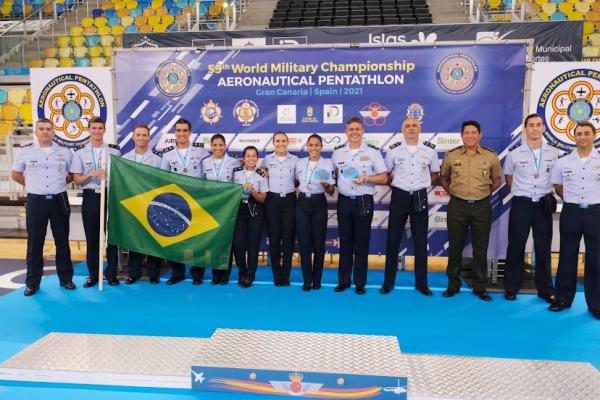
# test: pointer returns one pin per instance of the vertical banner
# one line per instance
(249, 94)
(566, 93)
(70, 97)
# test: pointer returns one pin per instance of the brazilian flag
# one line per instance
(171, 216)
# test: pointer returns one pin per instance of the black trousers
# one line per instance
(576, 222)
(354, 224)
(90, 212)
(279, 212)
(135, 265)
(401, 208)
(178, 271)
(222, 275)
(39, 210)
(246, 239)
(527, 215)
(462, 218)
(311, 227)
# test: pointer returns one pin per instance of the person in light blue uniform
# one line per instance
(316, 177)
(87, 172)
(184, 158)
(248, 226)
(143, 154)
(42, 168)
(576, 179)
(219, 167)
(413, 167)
(528, 170)
(359, 168)
(279, 207)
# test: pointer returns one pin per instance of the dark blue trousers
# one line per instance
(135, 265)
(280, 227)
(311, 227)
(246, 239)
(90, 212)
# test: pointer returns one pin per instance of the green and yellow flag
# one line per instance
(171, 216)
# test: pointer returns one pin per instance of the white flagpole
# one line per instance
(102, 216)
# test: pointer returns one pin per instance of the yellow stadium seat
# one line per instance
(50, 52)
(117, 29)
(25, 113)
(118, 40)
(63, 41)
(156, 4)
(161, 11)
(593, 16)
(159, 28)
(106, 40)
(77, 41)
(123, 12)
(109, 61)
(119, 5)
(565, 7)
(126, 21)
(549, 8)
(28, 95)
(107, 51)
(595, 39)
(582, 7)
(100, 22)
(543, 16)
(9, 112)
(98, 62)
(76, 30)
(90, 30)
(5, 128)
(189, 10)
(16, 96)
(153, 20)
(95, 51)
(181, 19)
(36, 63)
(64, 52)
(105, 30)
(141, 21)
(596, 6)
(86, 22)
(66, 62)
(588, 27)
(591, 52)
(167, 19)
(575, 16)
(492, 4)
(540, 2)
(131, 4)
(80, 52)
(148, 12)
(51, 62)
(107, 5)
(145, 28)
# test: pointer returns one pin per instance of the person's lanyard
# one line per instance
(537, 162)
(218, 174)
(309, 171)
(140, 160)
(184, 160)
(97, 160)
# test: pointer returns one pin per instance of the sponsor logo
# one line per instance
(374, 114)
(173, 78)
(246, 111)
(248, 42)
(286, 113)
(457, 73)
(415, 110)
(211, 112)
(333, 113)
(309, 116)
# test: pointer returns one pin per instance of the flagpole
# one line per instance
(102, 212)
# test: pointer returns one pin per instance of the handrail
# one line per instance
(28, 17)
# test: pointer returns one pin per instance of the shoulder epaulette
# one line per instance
(373, 146)
(114, 146)
(339, 146)
(241, 167)
(429, 144)
(168, 149)
(156, 152)
(205, 157)
(515, 146)
(27, 144)
(196, 144)
(487, 148)
(564, 154)
(261, 171)
(393, 146)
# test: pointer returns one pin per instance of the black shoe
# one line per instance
(89, 282)
(197, 281)
(214, 281)
(425, 292)
(245, 284)
(154, 281)
(482, 294)
(316, 286)
(68, 285)
(550, 298)
(360, 290)
(510, 296)
(173, 281)
(385, 289)
(340, 288)
(285, 282)
(306, 287)
(558, 306)
(223, 281)
(277, 283)
(30, 291)
(113, 281)
(596, 314)
(130, 281)
(450, 292)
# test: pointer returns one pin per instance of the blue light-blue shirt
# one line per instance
(45, 172)
(242, 176)
(86, 161)
(580, 179)
(219, 170)
(367, 161)
(412, 170)
(310, 177)
(184, 162)
(530, 178)
(281, 173)
(148, 158)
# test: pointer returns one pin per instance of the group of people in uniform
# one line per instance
(288, 195)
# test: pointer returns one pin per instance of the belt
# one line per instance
(282, 194)
(311, 195)
(471, 201)
(90, 191)
(583, 205)
(44, 196)
(530, 199)
(355, 197)
(408, 192)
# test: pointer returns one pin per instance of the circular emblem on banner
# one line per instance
(70, 101)
(321, 174)
(169, 214)
(457, 73)
(351, 173)
(568, 99)
(173, 78)
(211, 112)
(415, 110)
(246, 111)
(374, 114)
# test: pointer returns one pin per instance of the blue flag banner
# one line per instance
(249, 94)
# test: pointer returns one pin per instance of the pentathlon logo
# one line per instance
(374, 114)
(211, 112)
(246, 111)
(70, 101)
(415, 110)
(570, 98)
(173, 78)
(457, 73)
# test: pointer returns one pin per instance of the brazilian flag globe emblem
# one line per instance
(171, 216)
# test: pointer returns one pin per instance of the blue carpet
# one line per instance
(462, 325)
